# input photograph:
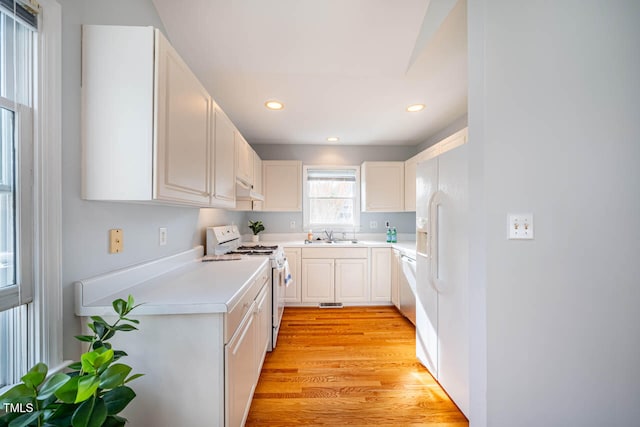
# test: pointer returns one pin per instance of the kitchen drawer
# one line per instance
(334, 252)
(239, 310)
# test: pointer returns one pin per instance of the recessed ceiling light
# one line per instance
(333, 139)
(274, 105)
(415, 108)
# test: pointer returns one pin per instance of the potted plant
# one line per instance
(256, 227)
(93, 393)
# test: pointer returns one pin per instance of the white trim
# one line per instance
(47, 313)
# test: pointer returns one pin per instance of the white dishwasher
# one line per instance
(408, 288)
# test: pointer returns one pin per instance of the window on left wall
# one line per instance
(18, 38)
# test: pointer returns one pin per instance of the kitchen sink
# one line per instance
(331, 242)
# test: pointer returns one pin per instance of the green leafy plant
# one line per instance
(91, 394)
(256, 227)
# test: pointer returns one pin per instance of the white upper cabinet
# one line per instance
(382, 186)
(244, 160)
(410, 184)
(183, 130)
(282, 185)
(257, 173)
(150, 131)
(224, 193)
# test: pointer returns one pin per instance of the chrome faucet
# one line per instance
(329, 235)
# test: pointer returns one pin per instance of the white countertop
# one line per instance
(408, 247)
(193, 287)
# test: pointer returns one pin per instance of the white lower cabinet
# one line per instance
(318, 282)
(240, 368)
(335, 275)
(381, 274)
(293, 292)
(396, 268)
(351, 284)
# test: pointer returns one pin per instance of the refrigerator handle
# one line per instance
(434, 249)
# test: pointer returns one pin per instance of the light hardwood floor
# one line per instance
(353, 366)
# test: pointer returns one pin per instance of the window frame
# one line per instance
(44, 314)
(306, 200)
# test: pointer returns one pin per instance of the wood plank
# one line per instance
(354, 366)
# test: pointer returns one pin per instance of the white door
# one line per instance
(183, 129)
(351, 280)
(451, 276)
(317, 280)
(426, 295)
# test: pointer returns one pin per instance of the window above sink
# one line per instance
(331, 197)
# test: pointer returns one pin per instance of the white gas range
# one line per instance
(227, 240)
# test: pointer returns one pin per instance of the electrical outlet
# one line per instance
(387, 224)
(373, 225)
(163, 236)
(292, 225)
(520, 226)
(116, 241)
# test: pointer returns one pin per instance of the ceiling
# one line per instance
(345, 68)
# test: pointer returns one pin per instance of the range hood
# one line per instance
(245, 192)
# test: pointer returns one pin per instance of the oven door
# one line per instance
(278, 294)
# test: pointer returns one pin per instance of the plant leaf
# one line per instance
(85, 338)
(52, 384)
(75, 365)
(120, 306)
(68, 391)
(87, 385)
(133, 377)
(25, 419)
(93, 360)
(35, 376)
(118, 398)
(130, 303)
(80, 417)
(114, 421)
(114, 376)
(20, 393)
(136, 321)
(125, 327)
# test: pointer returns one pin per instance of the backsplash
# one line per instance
(291, 222)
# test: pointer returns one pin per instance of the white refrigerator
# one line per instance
(442, 305)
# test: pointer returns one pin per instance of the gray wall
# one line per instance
(86, 223)
(554, 130)
(279, 222)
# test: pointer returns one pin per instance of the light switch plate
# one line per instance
(519, 226)
(162, 238)
(115, 241)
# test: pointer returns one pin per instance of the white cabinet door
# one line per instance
(240, 370)
(381, 274)
(244, 160)
(395, 278)
(410, 184)
(183, 126)
(351, 280)
(293, 291)
(224, 194)
(282, 185)
(264, 326)
(318, 280)
(382, 186)
(257, 173)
